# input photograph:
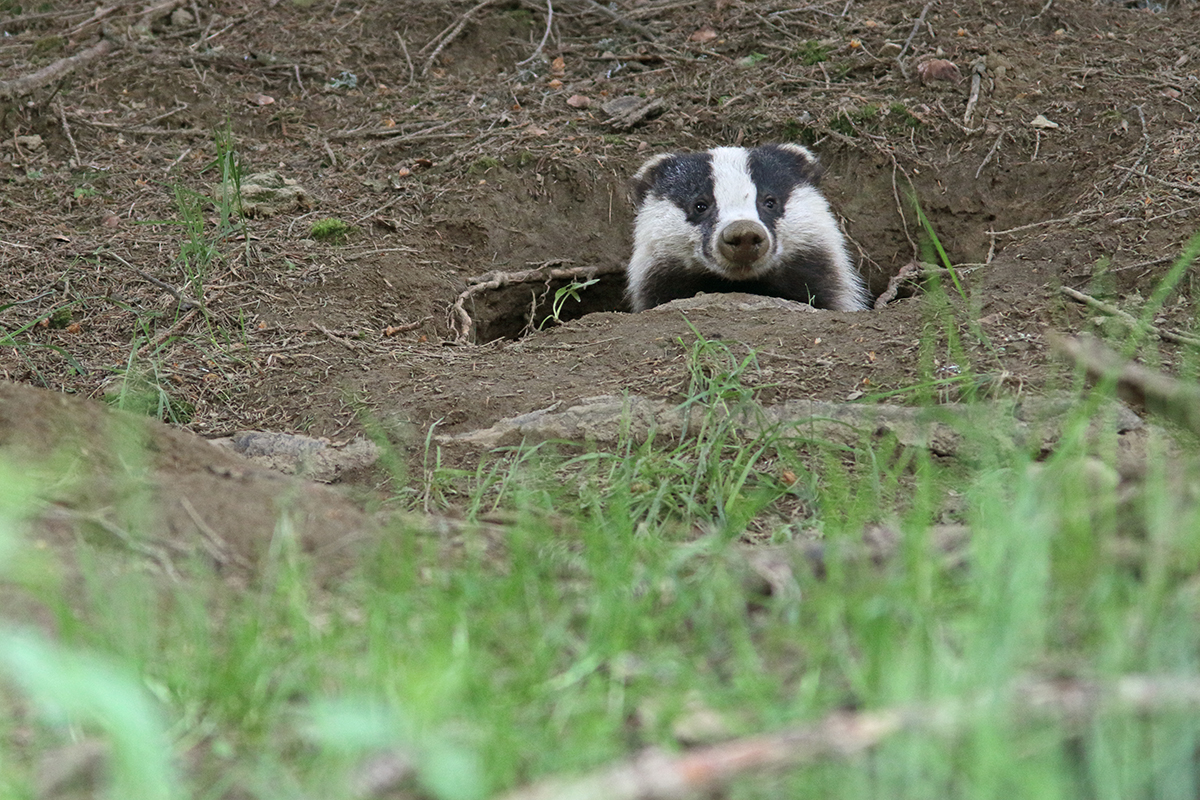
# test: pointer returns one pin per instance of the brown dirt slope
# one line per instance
(1065, 155)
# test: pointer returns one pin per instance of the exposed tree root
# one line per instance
(461, 322)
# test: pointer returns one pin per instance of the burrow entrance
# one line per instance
(883, 232)
(510, 305)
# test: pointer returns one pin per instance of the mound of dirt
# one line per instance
(126, 475)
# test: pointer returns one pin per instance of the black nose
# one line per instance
(743, 242)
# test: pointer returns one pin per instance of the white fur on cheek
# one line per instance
(808, 224)
(661, 231)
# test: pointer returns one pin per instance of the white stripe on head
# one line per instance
(733, 188)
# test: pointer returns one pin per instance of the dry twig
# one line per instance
(977, 70)
(1130, 321)
(450, 34)
(655, 775)
(1173, 184)
(64, 66)
(911, 35)
(1145, 149)
(1137, 385)
(549, 24)
(988, 157)
(640, 30)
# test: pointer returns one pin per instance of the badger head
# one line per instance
(736, 209)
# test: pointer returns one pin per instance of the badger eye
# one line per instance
(768, 202)
(700, 206)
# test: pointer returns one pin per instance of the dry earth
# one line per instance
(457, 142)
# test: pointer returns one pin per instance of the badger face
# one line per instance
(737, 219)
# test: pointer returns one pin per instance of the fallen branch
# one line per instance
(655, 775)
(640, 30)
(450, 34)
(461, 322)
(911, 35)
(1136, 385)
(1141, 173)
(64, 66)
(549, 24)
(1133, 323)
(910, 270)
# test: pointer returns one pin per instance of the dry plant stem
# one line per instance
(461, 322)
(988, 157)
(159, 340)
(66, 127)
(52, 72)
(911, 35)
(549, 24)
(184, 302)
(1145, 149)
(630, 25)
(1137, 385)
(450, 34)
(1173, 184)
(344, 342)
(412, 72)
(100, 13)
(396, 133)
(976, 82)
(1130, 321)
(655, 775)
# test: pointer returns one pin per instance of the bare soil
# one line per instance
(1067, 153)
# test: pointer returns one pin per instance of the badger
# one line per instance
(734, 219)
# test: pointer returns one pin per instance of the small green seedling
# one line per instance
(568, 292)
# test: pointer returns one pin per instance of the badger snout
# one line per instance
(743, 242)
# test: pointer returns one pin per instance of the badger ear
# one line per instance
(641, 183)
(807, 164)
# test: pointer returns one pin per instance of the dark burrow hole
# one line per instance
(517, 310)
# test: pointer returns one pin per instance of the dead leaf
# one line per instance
(536, 131)
(111, 221)
(260, 99)
(74, 327)
(558, 66)
(404, 172)
(1041, 122)
(389, 123)
(579, 101)
(705, 34)
(555, 84)
(938, 69)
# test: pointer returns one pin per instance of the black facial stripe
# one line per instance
(776, 171)
(686, 180)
